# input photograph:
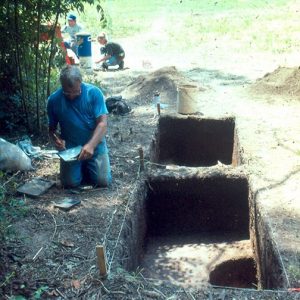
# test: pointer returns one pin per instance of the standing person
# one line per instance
(72, 28)
(113, 53)
(81, 113)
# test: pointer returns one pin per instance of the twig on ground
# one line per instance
(60, 293)
(118, 292)
(84, 291)
(161, 293)
(99, 295)
(11, 178)
(108, 228)
(189, 294)
(57, 270)
(55, 225)
(105, 289)
(247, 289)
(36, 255)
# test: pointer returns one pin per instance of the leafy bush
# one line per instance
(30, 55)
(10, 210)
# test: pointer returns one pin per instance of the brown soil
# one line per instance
(164, 81)
(283, 81)
(55, 249)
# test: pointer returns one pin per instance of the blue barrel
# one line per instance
(84, 43)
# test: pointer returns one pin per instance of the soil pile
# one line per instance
(283, 81)
(164, 81)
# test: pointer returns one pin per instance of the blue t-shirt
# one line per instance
(77, 117)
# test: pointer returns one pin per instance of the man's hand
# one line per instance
(87, 152)
(88, 149)
(60, 144)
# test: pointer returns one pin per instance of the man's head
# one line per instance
(71, 79)
(71, 20)
(102, 38)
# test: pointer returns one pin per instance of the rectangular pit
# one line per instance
(191, 229)
(214, 203)
(181, 245)
(195, 142)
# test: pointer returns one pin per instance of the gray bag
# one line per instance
(12, 158)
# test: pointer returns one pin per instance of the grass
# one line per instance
(259, 25)
(10, 210)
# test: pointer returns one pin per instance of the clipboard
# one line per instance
(66, 203)
(35, 187)
(70, 154)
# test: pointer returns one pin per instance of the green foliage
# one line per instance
(7, 279)
(294, 271)
(94, 19)
(256, 25)
(35, 295)
(10, 210)
(30, 55)
(127, 18)
(38, 293)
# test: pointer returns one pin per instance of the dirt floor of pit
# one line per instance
(188, 261)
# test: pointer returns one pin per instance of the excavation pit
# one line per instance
(189, 227)
(195, 142)
(240, 273)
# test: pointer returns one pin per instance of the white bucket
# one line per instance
(187, 96)
(85, 62)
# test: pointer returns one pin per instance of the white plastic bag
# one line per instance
(12, 158)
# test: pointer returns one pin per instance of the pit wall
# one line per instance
(195, 141)
(213, 200)
(237, 157)
(269, 267)
(134, 231)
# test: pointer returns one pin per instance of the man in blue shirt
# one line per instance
(79, 109)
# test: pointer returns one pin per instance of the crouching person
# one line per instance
(79, 109)
(112, 53)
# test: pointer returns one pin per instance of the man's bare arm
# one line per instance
(99, 132)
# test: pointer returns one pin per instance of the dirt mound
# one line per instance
(164, 80)
(282, 81)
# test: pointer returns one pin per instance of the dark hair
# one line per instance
(70, 75)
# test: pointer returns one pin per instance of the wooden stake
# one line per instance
(158, 108)
(101, 260)
(141, 154)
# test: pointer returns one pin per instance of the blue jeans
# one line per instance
(71, 45)
(112, 61)
(95, 171)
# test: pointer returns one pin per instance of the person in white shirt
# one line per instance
(72, 28)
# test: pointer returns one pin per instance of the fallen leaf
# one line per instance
(76, 284)
(67, 243)
(53, 293)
